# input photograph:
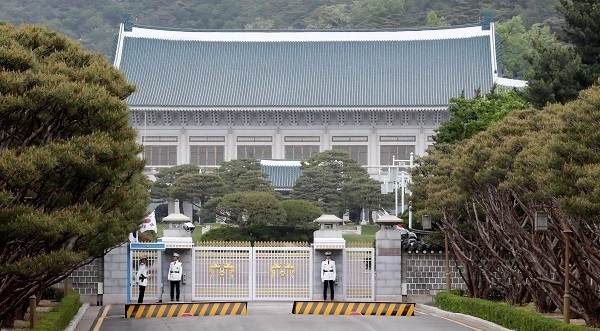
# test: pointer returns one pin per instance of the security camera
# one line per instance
(189, 227)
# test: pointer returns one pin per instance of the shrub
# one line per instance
(61, 315)
(507, 316)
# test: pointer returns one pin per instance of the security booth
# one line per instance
(177, 238)
(328, 239)
(152, 252)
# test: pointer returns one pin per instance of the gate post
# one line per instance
(388, 260)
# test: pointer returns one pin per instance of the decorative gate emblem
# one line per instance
(277, 266)
(222, 268)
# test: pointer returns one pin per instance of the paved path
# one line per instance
(277, 316)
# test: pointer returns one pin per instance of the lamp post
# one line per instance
(567, 296)
(541, 224)
(400, 179)
(426, 223)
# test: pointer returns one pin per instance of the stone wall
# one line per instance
(115, 275)
(425, 274)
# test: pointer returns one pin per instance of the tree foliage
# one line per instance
(71, 183)
(248, 208)
(485, 191)
(236, 177)
(517, 45)
(556, 76)
(166, 177)
(323, 177)
(95, 23)
(471, 116)
(300, 213)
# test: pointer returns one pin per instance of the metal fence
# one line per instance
(359, 274)
(277, 271)
(153, 288)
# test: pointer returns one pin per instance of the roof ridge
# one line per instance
(309, 30)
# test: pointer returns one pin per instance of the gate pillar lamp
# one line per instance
(541, 224)
(329, 236)
(388, 222)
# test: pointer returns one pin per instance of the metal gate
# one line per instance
(222, 272)
(282, 273)
(154, 287)
(241, 272)
(359, 274)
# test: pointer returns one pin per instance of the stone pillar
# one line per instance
(388, 259)
(115, 275)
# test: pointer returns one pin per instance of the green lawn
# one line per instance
(195, 235)
(368, 233)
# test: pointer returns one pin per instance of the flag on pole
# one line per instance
(149, 224)
(133, 237)
(400, 228)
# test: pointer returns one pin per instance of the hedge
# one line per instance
(61, 315)
(501, 314)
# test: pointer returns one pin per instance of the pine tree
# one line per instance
(71, 182)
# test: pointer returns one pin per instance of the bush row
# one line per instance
(61, 315)
(506, 316)
(261, 233)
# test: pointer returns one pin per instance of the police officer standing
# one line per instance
(142, 278)
(328, 275)
(175, 272)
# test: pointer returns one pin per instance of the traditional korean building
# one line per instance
(209, 96)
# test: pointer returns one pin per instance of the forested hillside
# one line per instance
(94, 23)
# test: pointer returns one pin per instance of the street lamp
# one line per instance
(426, 223)
(541, 224)
(401, 179)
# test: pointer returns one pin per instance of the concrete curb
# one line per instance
(73, 324)
(467, 319)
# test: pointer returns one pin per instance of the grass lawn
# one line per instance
(368, 232)
(195, 235)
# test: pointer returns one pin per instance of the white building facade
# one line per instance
(204, 97)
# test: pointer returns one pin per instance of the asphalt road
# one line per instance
(270, 316)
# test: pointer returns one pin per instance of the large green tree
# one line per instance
(471, 116)
(323, 177)
(517, 45)
(166, 177)
(582, 29)
(250, 208)
(71, 182)
(241, 174)
(198, 189)
(486, 190)
(300, 213)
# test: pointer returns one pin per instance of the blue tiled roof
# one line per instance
(364, 73)
(282, 177)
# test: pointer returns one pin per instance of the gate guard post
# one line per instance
(152, 252)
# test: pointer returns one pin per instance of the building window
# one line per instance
(207, 155)
(257, 152)
(399, 152)
(357, 152)
(300, 152)
(160, 155)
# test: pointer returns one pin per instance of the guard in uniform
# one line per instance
(142, 278)
(175, 272)
(328, 275)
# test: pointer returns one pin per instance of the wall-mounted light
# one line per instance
(426, 222)
(541, 221)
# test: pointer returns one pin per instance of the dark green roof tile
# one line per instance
(415, 73)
